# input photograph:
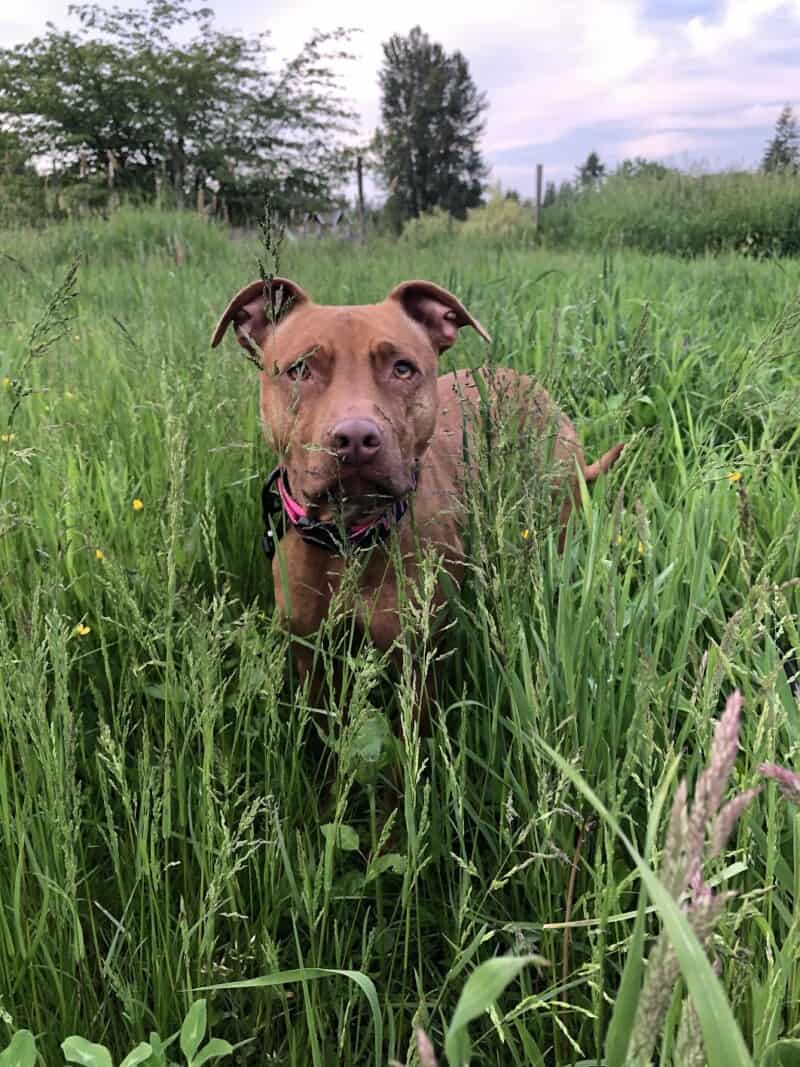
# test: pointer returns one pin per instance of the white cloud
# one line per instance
(661, 144)
(738, 23)
(651, 85)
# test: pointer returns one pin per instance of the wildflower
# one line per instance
(7, 438)
(68, 395)
(640, 548)
(77, 337)
(138, 504)
(525, 535)
(619, 539)
(99, 553)
(6, 382)
(81, 630)
(734, 477)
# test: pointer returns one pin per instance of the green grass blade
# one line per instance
(306, 974)
(724, 1044)
(480, 991)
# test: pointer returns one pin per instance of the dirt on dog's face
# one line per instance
(348, 400)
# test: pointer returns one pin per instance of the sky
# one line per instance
(695, 83)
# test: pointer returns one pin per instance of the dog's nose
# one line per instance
(356, 440)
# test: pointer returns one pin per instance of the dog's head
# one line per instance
(348, 394)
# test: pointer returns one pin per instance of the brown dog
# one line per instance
(372, 441)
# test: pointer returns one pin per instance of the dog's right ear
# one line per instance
(257, 307)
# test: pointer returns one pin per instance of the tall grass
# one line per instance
(683, 214)
(175, 814)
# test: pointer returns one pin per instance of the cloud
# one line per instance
(662, 144)
(702, 78)
(738, 23)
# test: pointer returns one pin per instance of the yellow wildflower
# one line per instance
(68, 395)
(138, 504)
(81, 630)
(6, 383)
(525, 535)
(640, 548)
(99, 553)
(7, 438)
(734, 476)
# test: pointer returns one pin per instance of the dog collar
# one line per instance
(276, 499)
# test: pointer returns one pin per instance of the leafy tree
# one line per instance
(432, 115)
(158, 96)
(639, 167)
(783, 150)
(592, 171)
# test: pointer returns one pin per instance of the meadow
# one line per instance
(174, 815)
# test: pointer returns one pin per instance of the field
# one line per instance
(174, 815)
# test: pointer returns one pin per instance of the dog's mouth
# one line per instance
(355, 497)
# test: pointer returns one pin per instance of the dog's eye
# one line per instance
(404, 370)
(298, 371)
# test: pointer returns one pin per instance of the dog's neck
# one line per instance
(277, 500)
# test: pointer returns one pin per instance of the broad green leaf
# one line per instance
(392, 861)
(215, 1047)
(785, 1053)
(79, 1050)
(21, 1052)
(194, 1029)
(141, 1054)
(371, 738)
(341, 836)
(305, 974)
(480, 991)
(158, 1050)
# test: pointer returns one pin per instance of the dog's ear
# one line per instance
(437, 310)
(257, 307)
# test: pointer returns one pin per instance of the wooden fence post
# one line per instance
(360, 179)
(539, 170)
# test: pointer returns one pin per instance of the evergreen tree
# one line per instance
(783, 151)
(592, 171)
(432, 115)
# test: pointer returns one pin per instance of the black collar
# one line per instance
(277, 500)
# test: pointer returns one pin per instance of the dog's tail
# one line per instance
(604, 464)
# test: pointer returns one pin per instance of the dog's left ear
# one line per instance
(437, 310)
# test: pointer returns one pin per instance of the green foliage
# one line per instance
(432, 114)
(591, 172)
(501, 217)
(163, 783)
(681, 214)
(158, 102)
(22, 1051)
(783, 151)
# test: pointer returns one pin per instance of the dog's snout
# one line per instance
(356, 440)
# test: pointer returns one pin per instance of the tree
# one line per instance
(639, 167)
(550, 194)
(157, 95)
(783, 151)
(432, 115)
(592, 171)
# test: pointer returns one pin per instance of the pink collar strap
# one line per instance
(276, 499)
